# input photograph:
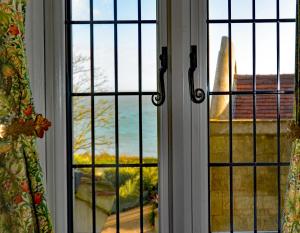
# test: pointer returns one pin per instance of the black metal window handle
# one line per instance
(159, 97)
(197, 95)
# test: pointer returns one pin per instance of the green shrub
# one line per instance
(129, 178)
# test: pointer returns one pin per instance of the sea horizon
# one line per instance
(128, 128)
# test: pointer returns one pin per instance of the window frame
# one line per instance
(54, 29)
(55, 88)
(201, 115)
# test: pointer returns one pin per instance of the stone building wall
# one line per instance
(243, 177)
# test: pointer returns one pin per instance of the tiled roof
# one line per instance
(266, 104)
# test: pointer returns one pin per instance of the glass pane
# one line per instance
(242, 57)
(148, 9)
(286, 107)
(150, 134)
(103, 9)
(218, 57)
(83, 212)
(218, 9)
(82, 142)
(243, 200)
(288, 9)
(128, 57)
(220, 199)
(129, 199)
(265, 9)
(80, 10)
(287, 56)
(150, 194)
(267, 199)
(241, 9)
(81, 63)
(127, 10)
(266, 128)
(104, 70)
(105, 130)
(219, 128)
(129, 129)
(105, 181)
(242, 128)
(149, 55)
(287, 82)
(266, 56)
(286, 114)
(284, 171)
(285, 143)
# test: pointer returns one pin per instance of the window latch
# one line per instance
(197, 95)
(159, 97)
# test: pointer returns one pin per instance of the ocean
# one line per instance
(128, 125)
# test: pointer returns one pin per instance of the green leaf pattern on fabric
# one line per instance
(23, 206)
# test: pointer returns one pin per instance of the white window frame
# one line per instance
(189, 120)
(56, 111)
(53, 27)
(34, 39)
(181, 109)
(183, 125)
(200, 209)
(46, 52)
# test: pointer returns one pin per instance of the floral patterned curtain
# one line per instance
(23, 207)
(291, 215)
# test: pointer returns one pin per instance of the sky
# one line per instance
(127, 42)
(266, 46)
(128, 114)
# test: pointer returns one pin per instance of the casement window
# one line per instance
(251, 96)
(213, 157)
(112, 123)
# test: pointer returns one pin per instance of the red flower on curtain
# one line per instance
(28, 110)
(25, 186)
(18, 199)
(38, 198)
(21, 121)
(13, 30)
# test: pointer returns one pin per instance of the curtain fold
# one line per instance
(291, 212)
(23, 205)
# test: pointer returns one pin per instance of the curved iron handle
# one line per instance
(198, 94)
(159, 97)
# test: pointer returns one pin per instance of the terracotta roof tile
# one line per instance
(266, 104)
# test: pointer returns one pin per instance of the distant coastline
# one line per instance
(129, 141)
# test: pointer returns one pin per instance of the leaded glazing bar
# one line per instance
(112, 137)
(250, 101)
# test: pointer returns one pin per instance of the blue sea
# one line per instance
(128, 120)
